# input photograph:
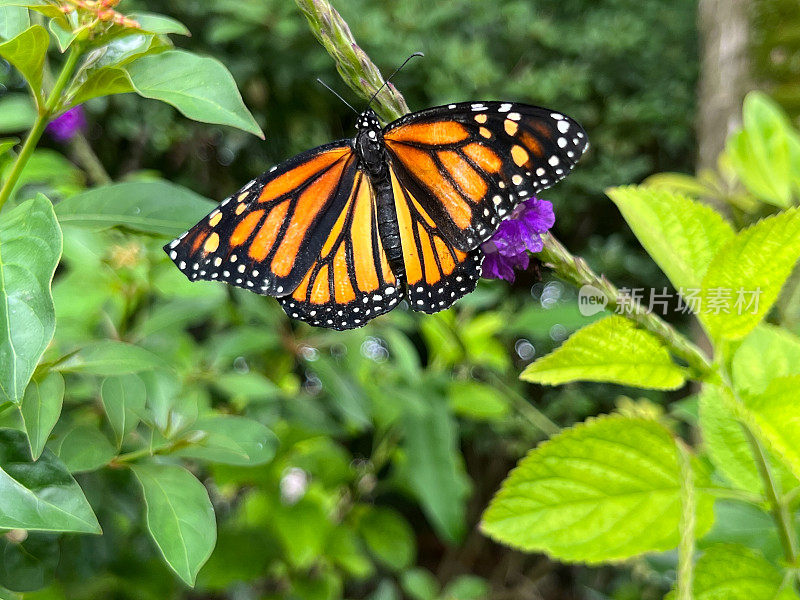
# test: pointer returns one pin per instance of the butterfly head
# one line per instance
(369, 140)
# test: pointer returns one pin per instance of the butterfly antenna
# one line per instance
(388, 79)
(332, 91)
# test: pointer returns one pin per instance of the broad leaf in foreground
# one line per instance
(612, 349)
(179, 516)
(604, 490)
(680, 234)
(752, 266)
(40, 409)
(768, 352)
(27, 52)
(39, 495)
(124, 398)
(30, 248)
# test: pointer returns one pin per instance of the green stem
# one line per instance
(42, 119)
(526, 410)
(732, 494)
(780, 510)
(89, 160)
(576, 271)
(687, 526)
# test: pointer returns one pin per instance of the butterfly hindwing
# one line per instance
(470, 164)
(265, 236)
(350, 282)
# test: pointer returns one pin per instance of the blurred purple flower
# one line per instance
(65, 126)
(516, 236)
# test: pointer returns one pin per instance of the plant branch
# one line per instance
(42, 119)
(89, 160)
(687, 526)
(352, 63)
(576, 271)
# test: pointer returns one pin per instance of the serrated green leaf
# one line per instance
(26, 52)
(201, 88)
(766, 353)
(230, 440)
(154, 207)
(612, 349)
(682, 235)
(40, 409)
(389, 537)
(180, 517)
(757, 261)
(604, 490)
(124, 398)
(39, 495)
(13, 21)
(778, 420)
(735, 572)
(30, 248)
(110, 357)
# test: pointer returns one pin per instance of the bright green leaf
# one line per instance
(7, 144)
(231, 440)
(201, 88)
(26, 52)
(606, 489)
(757, 261)
(105, 81)
(179, 517)
(84, 448)
(39, 495)
(64, 35)
(124, 398)
(778, 420)
(420, 584)
(17, 113)
(735, 572)
(477, 401)
(109, 357)
(13, 21)
(389, 537)
(768, 352)
(40, 409)
(155, 207)
(30, 248)
(612, 349)
(682, 235)
(161, 24)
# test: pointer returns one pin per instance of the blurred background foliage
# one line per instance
(338, 512)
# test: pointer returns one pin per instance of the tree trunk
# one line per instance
(724, 74)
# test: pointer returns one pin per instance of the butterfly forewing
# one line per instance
(470, 164)
(351, 281)
(265, 236)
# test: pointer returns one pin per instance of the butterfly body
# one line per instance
(342, 233)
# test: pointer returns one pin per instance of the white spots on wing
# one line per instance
(451, 106)
(562, 142)
(563, 126)
(273, 168)
(182, 265)
(217, 261)
(242, 267)
(233, 258)
(514, 116)
(173, 255)
(553, 160)
(371, 135)
(279, 289)
(502, 184)
(175, 242)
(505, 107)
(478, 106)
(540, 172)
(497, 200)
(557, 116)
(517, 179)
(248, 186)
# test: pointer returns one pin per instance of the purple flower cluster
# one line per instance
(516, 236)
(65, 126)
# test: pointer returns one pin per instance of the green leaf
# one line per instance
(389, 537)
(420, 584)
(179, 517)
(606, 489)
(155, 207)
(611, 349)
(124, 398)
(28, 565)
(39, 495)
(477, 401)
(778, 420)
(40, 409)
(735, 572)
(201, 88)
(160, 24)
(682, 235)
(467, 587)
(105, 81)
(13, 21)
(17, 113)
(27, 52)
(84, 448)
(30, 248)
(7, 144)
(230, 440)
(757, 261)
(64, 35)
(768, 352)
(434, 471)
(110, 357)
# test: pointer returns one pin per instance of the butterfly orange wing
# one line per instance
(266, 236)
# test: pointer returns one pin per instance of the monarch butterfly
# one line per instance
(341, 233)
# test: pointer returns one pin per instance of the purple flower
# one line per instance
(65, 126)
(516, 236)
